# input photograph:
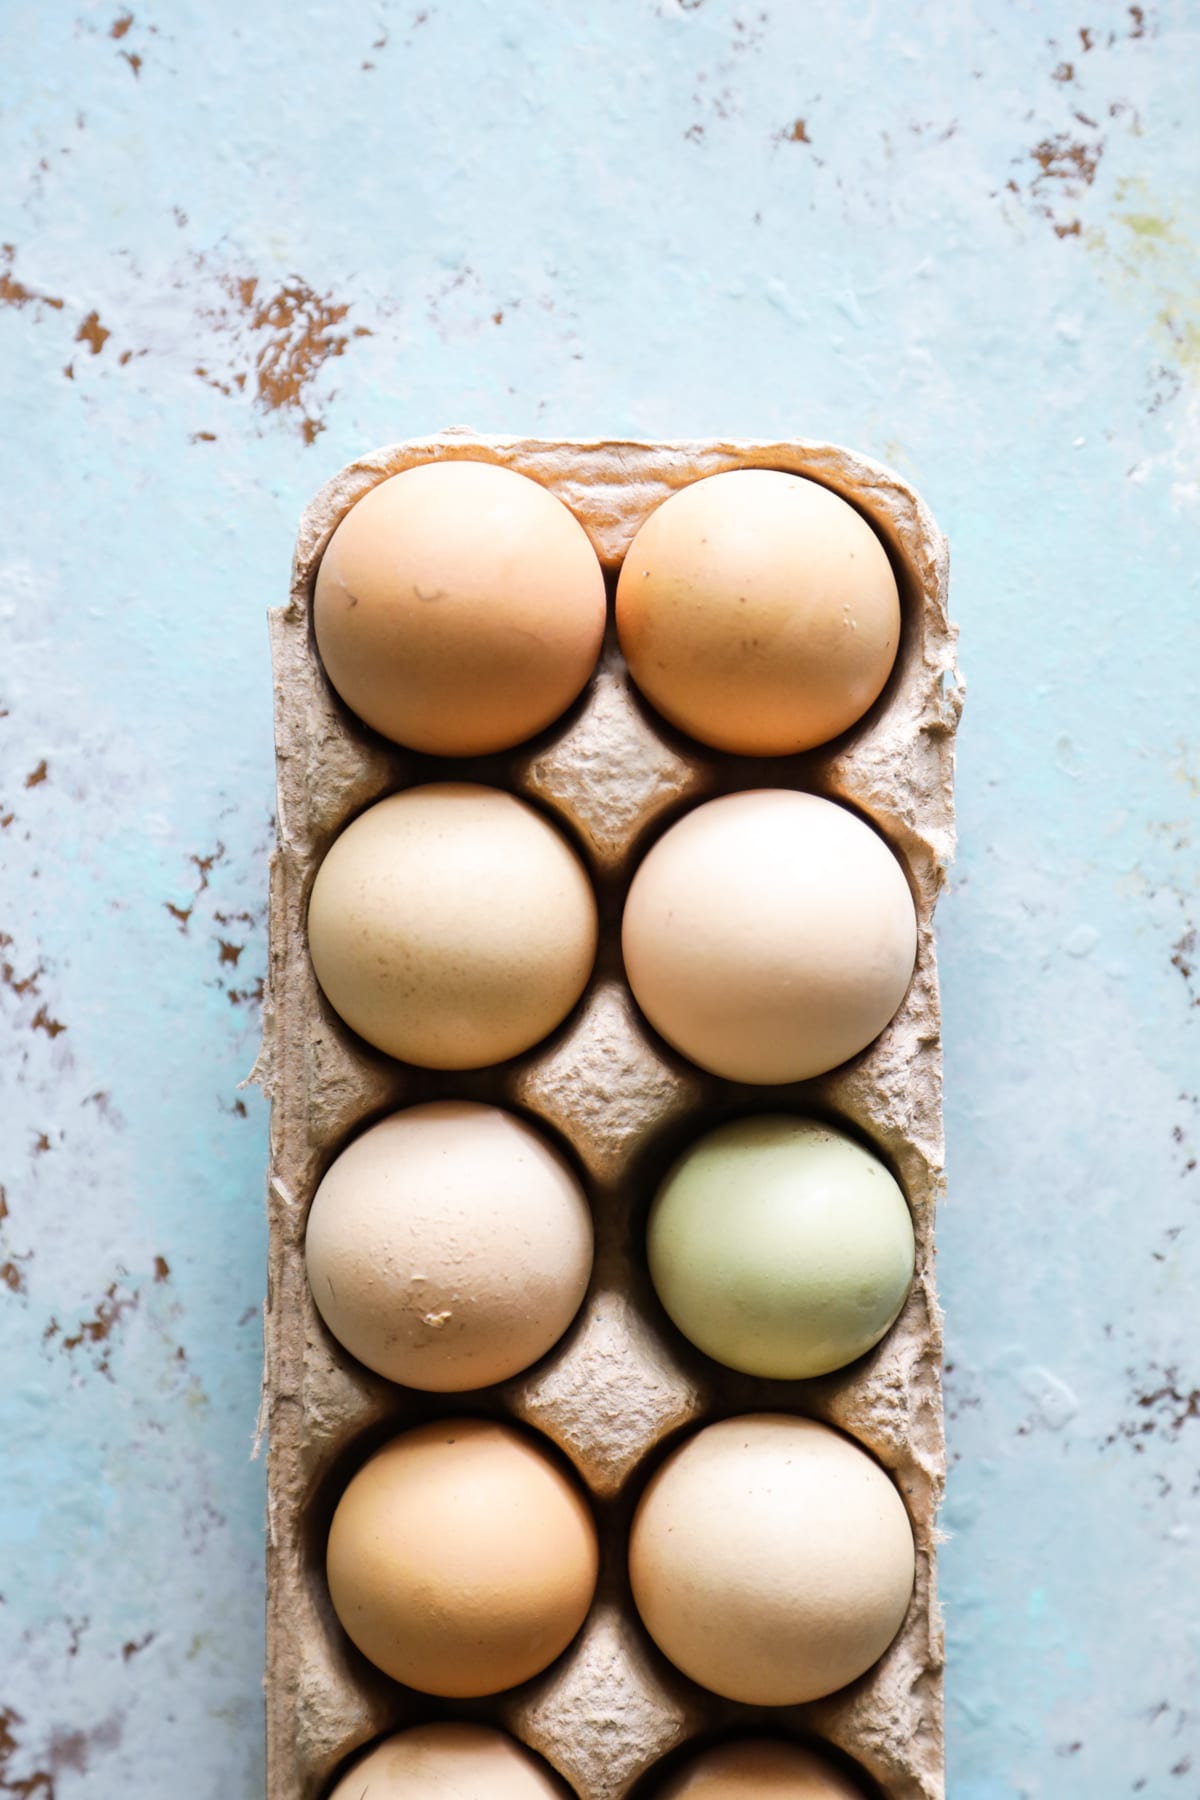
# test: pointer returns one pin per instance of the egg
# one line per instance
(769, 936)
(450, 1761)
(758, 612)
(461, 1559)
(452, 926)
(459, 608)
(449, 1246)
(771, 1559)
(781, 1247)
(755, 1769)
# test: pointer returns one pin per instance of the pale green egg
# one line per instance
(781, 1247)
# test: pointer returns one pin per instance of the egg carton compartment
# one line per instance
(622, 1385)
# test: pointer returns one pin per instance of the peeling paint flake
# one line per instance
(95, 1332)
(92, 333)
(14, 292)
(285, 338)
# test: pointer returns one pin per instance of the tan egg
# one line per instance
(771, 1559)
(450, 1762)
(758, 612)
(452, 926)
(757, 1769)
(459, 608)
(461, 1559)
(449, 1246)
(769, 936)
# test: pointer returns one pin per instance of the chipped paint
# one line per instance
(285, 335)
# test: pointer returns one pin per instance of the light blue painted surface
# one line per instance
(595, 220)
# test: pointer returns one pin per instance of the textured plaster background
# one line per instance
(245, 242)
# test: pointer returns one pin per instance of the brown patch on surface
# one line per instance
(1173, 1408)
(206, 864)
(292, 333)
(1137, 14)
(203, 437)
(235, 385)
(3, 1205)
(798, 134)
(14, 1281)
(299, 323)
(1060, 159)
(162, 1268)
(1064, 72)
(41, 1144)
(135, 1647)
(15, 293)
(1087, 38)
(102, 1101)
(121, 25)
(93, 333)
(43, 1022)
(96, 1330)
(18, 985)
(251, 996)
(230, 952)
(65, 1749)
(1160, 1403)
(1066, 166)
(134, 61)
(39, 1785)
(36, 776)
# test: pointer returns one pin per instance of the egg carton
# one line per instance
(622, 1385)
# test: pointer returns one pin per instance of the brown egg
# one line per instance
(449, 1246)
(450, 1762)
(757, 1769)
(461, 1559)
(452, 926)
(459, 608)
(771, 1559)
(758, 612)
(769, 936)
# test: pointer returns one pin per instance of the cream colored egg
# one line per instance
(450, 1762)
(769, 936)
(758, 1769)
(771, 1559)
(449, 1246)
(759, 612)
(459, 608)
(452, 926)
(461, 1559)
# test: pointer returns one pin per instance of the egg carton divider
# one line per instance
(622, 1383)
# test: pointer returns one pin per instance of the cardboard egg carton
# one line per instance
(622, 1383)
